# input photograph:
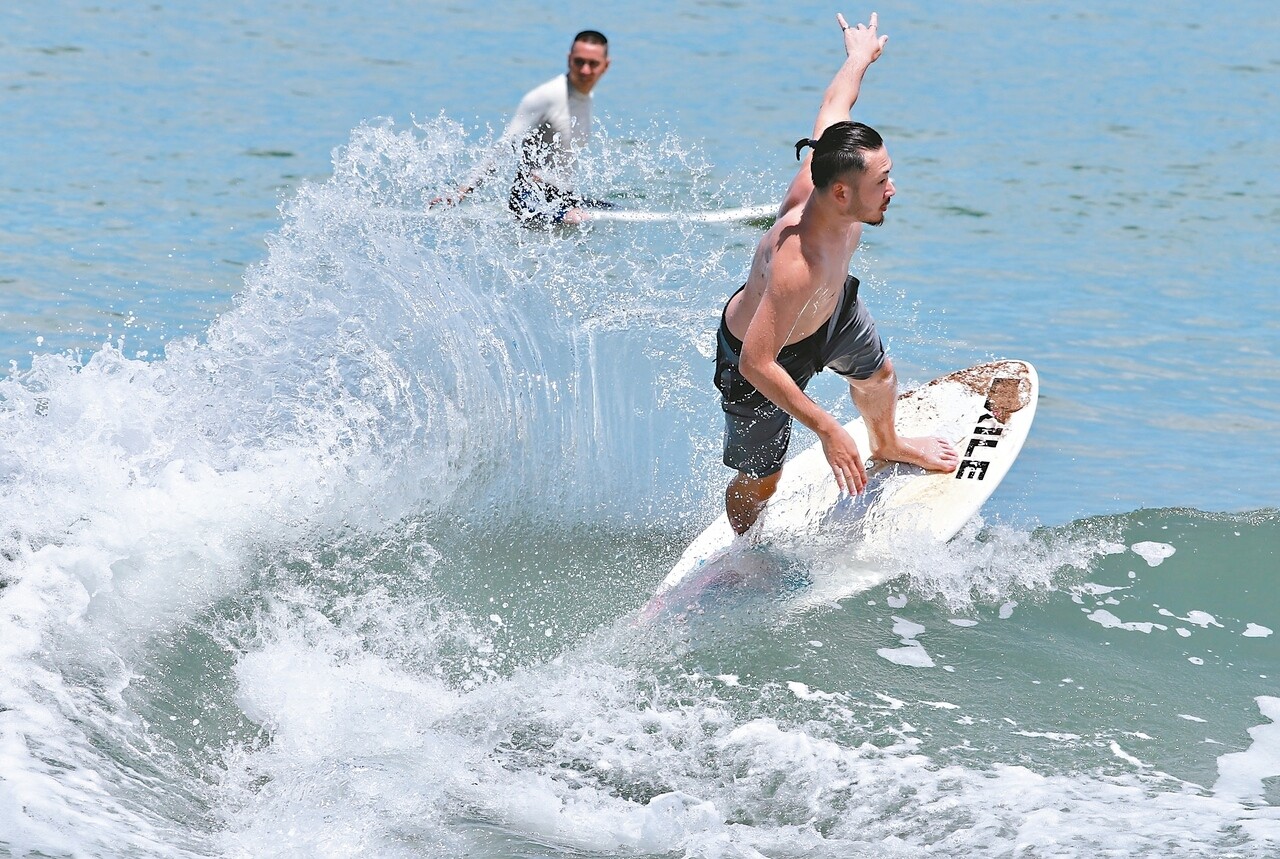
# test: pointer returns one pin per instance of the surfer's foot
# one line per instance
(574, 216)
(932, 453)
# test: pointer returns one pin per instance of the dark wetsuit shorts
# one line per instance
(538, 204)
(757, 432)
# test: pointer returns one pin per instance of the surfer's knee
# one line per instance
(885, 375)
(745, 498)
(883, 378)
(748, 487)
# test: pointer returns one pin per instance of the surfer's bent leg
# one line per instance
(755, 443)
(756, 431)
(856, 352)
(756, 436)
(876, 398)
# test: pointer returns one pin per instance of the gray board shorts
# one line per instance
(756, 431)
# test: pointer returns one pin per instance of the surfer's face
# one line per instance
(587, 63)
(870, 190)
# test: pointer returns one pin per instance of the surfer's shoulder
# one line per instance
(546, 94)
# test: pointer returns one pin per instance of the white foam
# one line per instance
(1094, 589)
(1241, 775)
(894, 703)
(1254, 630)
(911, 656)
(1125, 756)
(1201, 619)
(1109, 621)
(907, 628)
(1153, 553)
(139, 501)
(804, 693)
(985, 563)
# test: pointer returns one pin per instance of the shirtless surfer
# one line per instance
(800, 312)
(551, 123)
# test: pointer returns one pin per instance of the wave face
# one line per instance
(354, 573)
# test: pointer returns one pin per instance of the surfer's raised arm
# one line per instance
(863, 46)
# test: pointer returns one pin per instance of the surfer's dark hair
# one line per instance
(592, 37)
(841, 148)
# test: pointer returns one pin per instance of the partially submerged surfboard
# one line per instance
(487, 211)
(985, 411)
(711, 216)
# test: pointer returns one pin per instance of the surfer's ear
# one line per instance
(839, 188)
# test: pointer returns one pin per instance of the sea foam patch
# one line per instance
(1202, 619)
(1242, 775)
(1153, 553)
(1108, 620)
(911, 654)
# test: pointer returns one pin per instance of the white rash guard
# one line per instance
(551, 123)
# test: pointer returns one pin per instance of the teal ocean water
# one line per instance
(325, 521)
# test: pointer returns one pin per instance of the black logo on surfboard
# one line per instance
(1002, 400)
(986, 435)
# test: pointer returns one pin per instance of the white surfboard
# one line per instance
(986, 411)
(710, 216)
(488, 211)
